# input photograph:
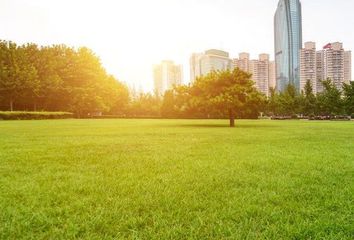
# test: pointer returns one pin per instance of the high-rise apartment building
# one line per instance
(262, 70)
(308, 66)
(272, 81)
(287, 43)
(332, 62)
(242, 62)
(336, 64)
(319, 71)
(347, 66)
(203, 63)
(261, 73)
(166, 75)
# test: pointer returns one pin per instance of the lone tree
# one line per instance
(228, 93)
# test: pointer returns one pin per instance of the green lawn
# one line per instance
(176, 179)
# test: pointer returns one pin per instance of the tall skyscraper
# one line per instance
(166, 75)
(287, 43)
(308, 66)
(213, 59)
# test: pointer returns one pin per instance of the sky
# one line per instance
(130, 36)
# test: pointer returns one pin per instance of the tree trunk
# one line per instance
(11, 105)
(232, 118)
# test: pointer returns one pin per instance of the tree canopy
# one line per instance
(57, 78)
(227, 93)
(62, 78)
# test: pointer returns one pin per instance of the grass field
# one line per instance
(176, 179)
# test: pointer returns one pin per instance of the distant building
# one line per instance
(287, 43)
(243, 62)
(272, 77)
(332, 62)
(262, 70)
(203, 63)
(347, 66)
(336, 64)
(308, 66)
(166, 75)
(319, 71)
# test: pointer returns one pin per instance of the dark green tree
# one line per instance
(329, 102)
(228, 93)
(168, 106)
(308, 103)
(18, 76)
(348, 91)
(57, 78)
(289, 101)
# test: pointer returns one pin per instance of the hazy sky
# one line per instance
(130, 36)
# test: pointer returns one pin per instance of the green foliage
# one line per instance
(308, 100)
(220, 94)
(176, 179)
(179, 103)
(168, 109)
(16, 115)
(228, 93)
(348, 90)
(330, 102)
(57, 78)
(289, 101)
(145, 105)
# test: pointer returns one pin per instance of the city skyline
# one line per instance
(129, 46)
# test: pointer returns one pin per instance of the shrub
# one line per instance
(352, 116)
(34, 115)
(294, 116)
(312, 117)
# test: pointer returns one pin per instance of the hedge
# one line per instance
(34, 115)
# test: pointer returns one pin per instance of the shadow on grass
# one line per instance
(226, 125)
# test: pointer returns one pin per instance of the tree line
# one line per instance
(330, 102)
(60, 78)
(57, 78)
(231, 94)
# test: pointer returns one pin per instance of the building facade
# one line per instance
(336, 64)
(347, 66)
(212, 60)
(272, 77)
(262, 70)
(287, 43)
(332, 62)
(319, 71)
(166, 75)
(243, 62)
(308, 66)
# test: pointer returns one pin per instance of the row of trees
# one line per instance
(331, 101)
(57, 78)
(60, 78)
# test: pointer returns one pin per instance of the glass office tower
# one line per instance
(287, 43)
